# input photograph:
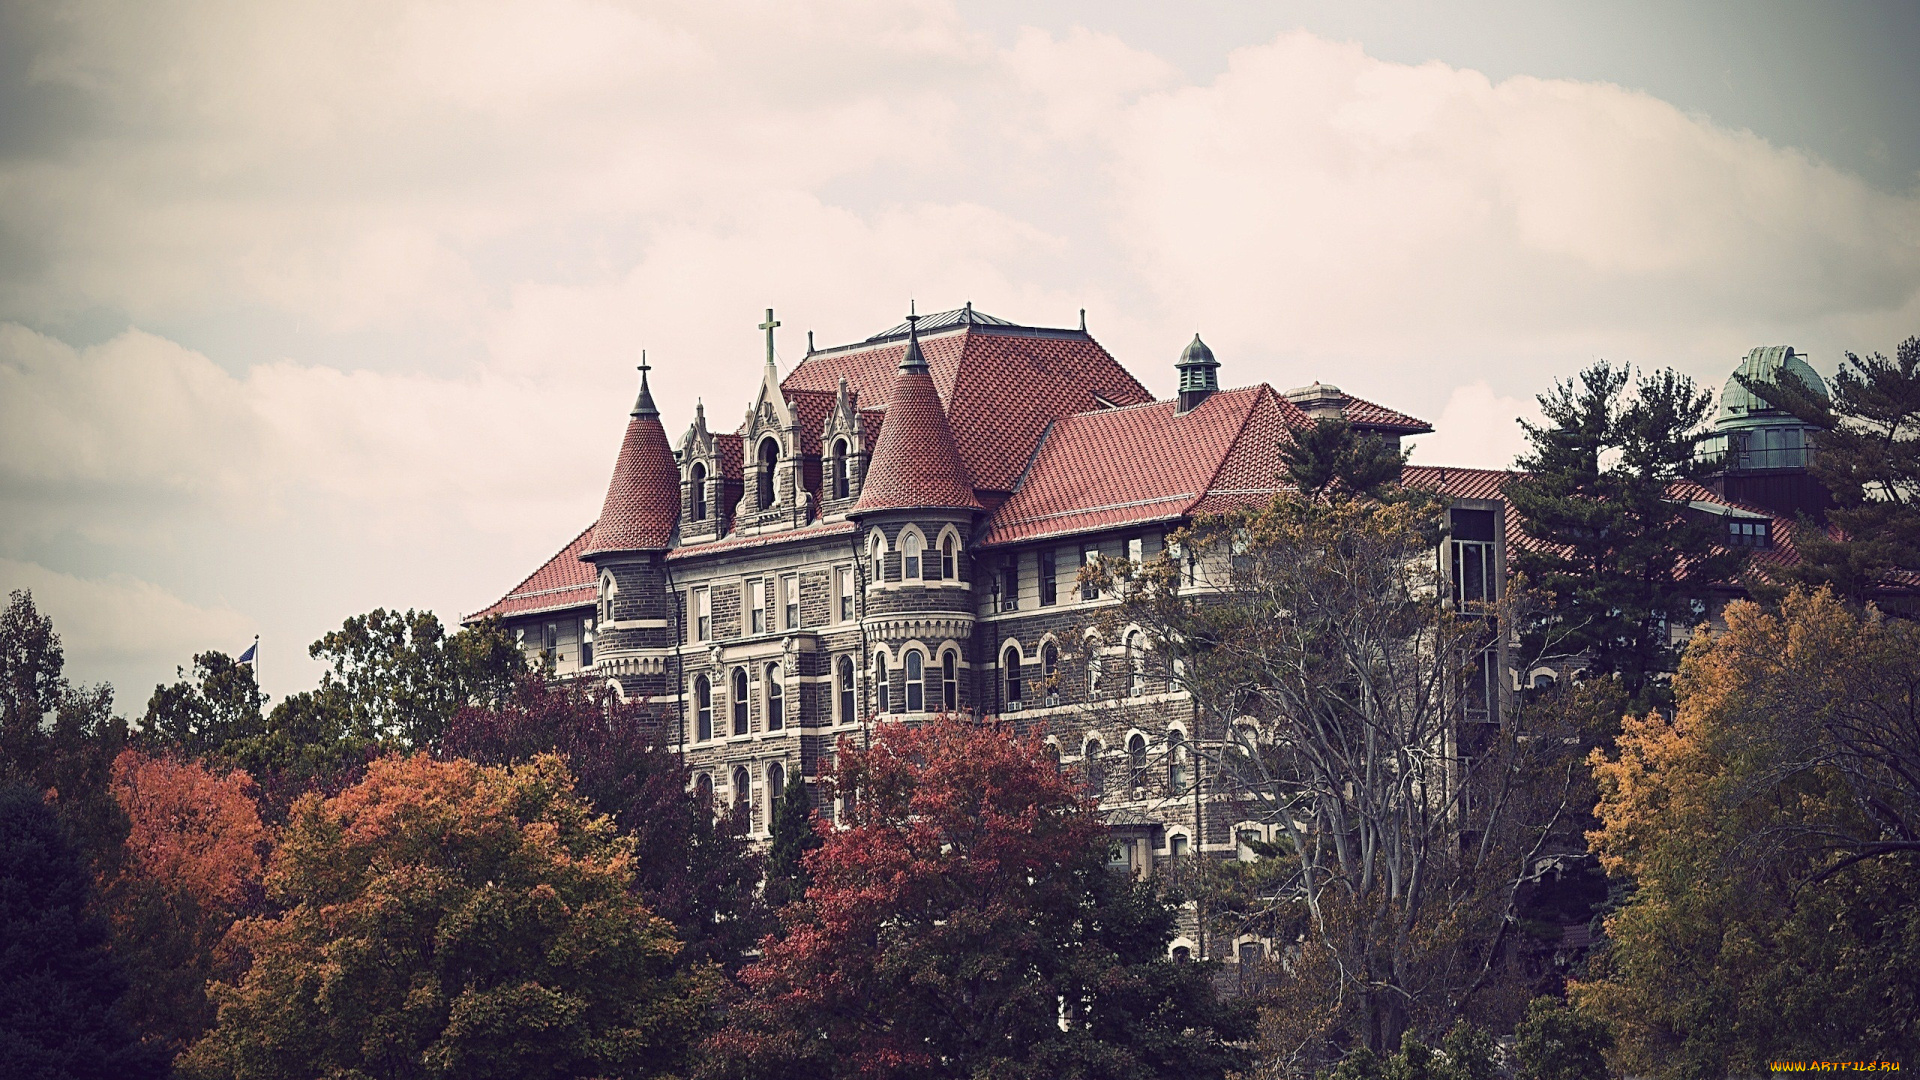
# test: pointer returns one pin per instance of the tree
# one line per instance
(1771, 828)
(1556, 1043)
(1868, 456)
(401, 677)
(1335, 677)
(451, 919)
(794, 835)
(1330, 460)
(221, 704)
(193, 863)
(699, 872)
(1620, 559)
(964, 924)
(60, 988)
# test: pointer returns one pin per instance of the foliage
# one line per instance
(193, 863)
(221, 704)
(60, 989)
(793, 836)
(1466, 1054)
(451, 919)
(1556, 1043)
(399, 677)
(699, 872)
(1330, 460)
(1769, 827)
(1868, 456)
(964, 924)
(1317, 648)
(1621, 558)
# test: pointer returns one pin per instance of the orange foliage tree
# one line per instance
(192, 863)
(442, 918)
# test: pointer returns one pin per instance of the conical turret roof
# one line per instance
(915, 464)
(643, 499)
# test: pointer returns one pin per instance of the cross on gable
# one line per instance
(768, 327)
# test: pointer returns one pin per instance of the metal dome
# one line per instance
(1739, 408)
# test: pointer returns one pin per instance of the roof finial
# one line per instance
(643, 405)
(768, 327)
(1083, 320)
(913, 360)
(809, 343)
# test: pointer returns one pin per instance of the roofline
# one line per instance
(1053, 332)
(536, 570)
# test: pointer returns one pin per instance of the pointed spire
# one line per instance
(643, 405)
(913, 360)
(915, 464)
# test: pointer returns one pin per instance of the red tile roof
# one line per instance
(738, 542)
(1142, 463)
(643, 498)
(1363, 413)
(561, 582)
(915, 463)
(1000, 386)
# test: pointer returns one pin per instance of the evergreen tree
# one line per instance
(1622, 561)
(60, 988)
(1556, 1043)
(1330, 459)
(1867, 453)
(793, 837)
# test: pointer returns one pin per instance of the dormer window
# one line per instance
(769, 461)
(699, 484)
(840, 468)
(1750, 533)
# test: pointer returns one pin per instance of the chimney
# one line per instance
(1320, 401)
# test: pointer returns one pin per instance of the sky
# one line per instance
(311, 309)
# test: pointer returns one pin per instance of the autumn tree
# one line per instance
(1343, 701)
(1771, 828)
(401, 677)
(964, 923)
(1619, 558)
(60, 987)
(451, 919)
(192, 865)
(699, 872)
(1867, 454)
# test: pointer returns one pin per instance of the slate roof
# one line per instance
(561, 582)
(643, 498)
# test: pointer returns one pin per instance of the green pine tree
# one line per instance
(1622, 557)
(1867, 453)
(793, 837)
(1556, 1043)
(1331, 459)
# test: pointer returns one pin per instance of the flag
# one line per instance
(247, 657)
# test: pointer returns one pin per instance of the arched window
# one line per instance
(742, 793)
(1182, 954)
(699, 485)
(1010, 669)
(910, 546)
(876, 559)
(949, 559)
(916, 682)
(703, 708)
(1137, 760)
(1050, 672)
(1053, 752)
(703, 792)
(776, 790)
(739, 701)
(1177, 758)
(1096, 769)
(776, 699)
(949, 680)
(1093, 669)
(880, 686)
(839, 468)
(849, 710)
(1136, 666)
(607, 589)
(769, 460)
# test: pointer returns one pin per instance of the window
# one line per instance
(1010, 584)
(607, 589)
(586, 642)
(1136, 666)
(1185, 559)
(703, 791)
(839, 468)
(916, 682)
(1050, 672)
(876, 560)
(742, 792)
(1137, 760)
(843, 593)
(1096, 769)
(769, 461)
(950, 680)
(849, 708)
(910, 546)
(757, 606)
(703, 614)
(880, 685)
(949, 559)
(1182, 954)
(776, 699)
(1177, 846)
(1049, 578)
(776, 790)
(550, 643)
(1088, 590)
(1010, 668)
(699, 485)
(1749, 533)
(1177, 760)
(739, 701)
(1480, 696)
(1475, 571)
(1136, 551)
(702, 708)
(1094, 667)
(790, 601)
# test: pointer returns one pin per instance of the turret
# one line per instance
(1199, 374)
(634, 624)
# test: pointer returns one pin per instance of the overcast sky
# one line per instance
(310, 309)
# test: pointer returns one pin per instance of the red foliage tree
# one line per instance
(964, 923)
(192, 864)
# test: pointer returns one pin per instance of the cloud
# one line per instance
(1477, 429)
